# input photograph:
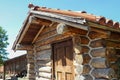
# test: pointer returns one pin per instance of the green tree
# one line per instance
(3, 45)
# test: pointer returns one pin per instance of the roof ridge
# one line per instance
(83, 14)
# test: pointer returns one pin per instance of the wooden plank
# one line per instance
(100, 63)
(41, 78)
(46, 69)
(50, 28)
(98, 43)
(42, 48)
(38, 34)
(114, 36)
(47, 64)
(98, 33)
(23, 33)
(40, 21)
(45, 75)
(24, 47)
(112, 43)
(100, 52)
(106, 73)
(75, 22)
(102, 27)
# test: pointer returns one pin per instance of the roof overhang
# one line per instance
(37, 20)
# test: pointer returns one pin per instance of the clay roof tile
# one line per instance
(109, 23)
(93, 18)
(116, 25)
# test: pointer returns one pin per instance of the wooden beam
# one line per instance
(112, 43)
(24, 29)
(41, 21)
(75, 22)
(102, 27)
(24, 47)
(38, 33)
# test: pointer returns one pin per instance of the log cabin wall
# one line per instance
(93, 53)
(43, 51)
(113, 53)
(97, 55)
(30, 65)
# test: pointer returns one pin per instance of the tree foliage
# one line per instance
(3, 45)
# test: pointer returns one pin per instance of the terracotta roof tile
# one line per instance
(109, 23)
(116, 25)
(98, 19)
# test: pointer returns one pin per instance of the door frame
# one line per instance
(52, 55)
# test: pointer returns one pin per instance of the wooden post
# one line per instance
(30, 65)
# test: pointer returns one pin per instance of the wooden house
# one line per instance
(69, 45)
(15, 67)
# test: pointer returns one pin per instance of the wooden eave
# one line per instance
(99, 26)
(32, 28)
(31, 32)
(36, 22)
(14, 59)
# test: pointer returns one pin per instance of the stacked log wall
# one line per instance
(44, 51)
(113, 53)
(92, 53)
(91, 59)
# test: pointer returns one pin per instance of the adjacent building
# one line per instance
(15, 67)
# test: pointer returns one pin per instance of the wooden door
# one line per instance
(63, 60)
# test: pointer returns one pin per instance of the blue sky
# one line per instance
(13, 13)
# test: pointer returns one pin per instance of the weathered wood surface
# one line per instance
(43, 62)
(114, 36)
(84, 40)
(97, 43)
(86, 58)
(24, 47)
(99, 52)
(45, 69)
(85, 49)
(107, 73)
(40, 21)
(99, 63)
(45, 75)
(15, 66)
(79, 58)
(94, 25)
(98, 33)
(46, 54)
(41, 78)
(112, 43)
(86, 69)
(89, 49)
(111, 55)
(44, 47)
(88, 77)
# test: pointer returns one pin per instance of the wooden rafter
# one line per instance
(38, 33)
(22, 35)
(24, 47)
(102, 27)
